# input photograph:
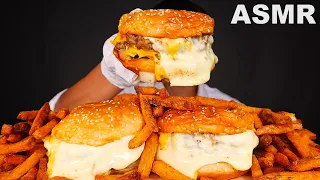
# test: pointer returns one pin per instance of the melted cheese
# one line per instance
(187, 153)
(83, 162)
(184, 61)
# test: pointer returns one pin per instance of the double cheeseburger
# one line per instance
(166, 45)
(207, 142)
(93, 139)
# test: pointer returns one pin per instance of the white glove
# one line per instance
(113, 70)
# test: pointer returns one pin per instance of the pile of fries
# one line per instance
(286, 150)
(22, 153)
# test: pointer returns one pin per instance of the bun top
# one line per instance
(166, 23)
(207, 120)
(100, 123)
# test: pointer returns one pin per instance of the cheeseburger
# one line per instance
(207, 142)
(167, 45)
(93, 139)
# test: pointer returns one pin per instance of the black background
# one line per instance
(50, 45)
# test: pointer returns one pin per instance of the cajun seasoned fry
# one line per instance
(2, 156)
(271, 149)
(144, 90)
(31, 174)
(266, 159)
(278, 129)
(148, 155)
(15, 158)
(3, 139)
(42, 172)
(163, 93)
(45, 130)
(23, 145)
(292, 156)
(146, 111)
(36, 147)
(264, 141)
(278, 143)
(310, 175)
(62, 113)
(269, 117)
(40, 119)
(14, 137)
(61, 178)
(140, 137)
(303, 144)
(27, 115)
(131, 175)
(275, 168)
(306, 132)
(24, 167)
(165, 171)
(6, 129)
(281, 159)
(21, 127)
(258, 123)
(255, 168)
(6, 167)
(158, 111)
(305, 164)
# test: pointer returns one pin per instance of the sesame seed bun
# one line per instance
(100, 123)
(166, 23)
(207, 120)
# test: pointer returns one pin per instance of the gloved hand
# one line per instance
(113, 70)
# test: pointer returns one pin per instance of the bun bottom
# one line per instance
(219, 171)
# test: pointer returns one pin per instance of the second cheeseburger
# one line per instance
(207, 142)
(167, 45)
(93, 139)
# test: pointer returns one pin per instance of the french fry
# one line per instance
(24, 167)
(148, 155)
(292, 156)
(40, 119)
(271, 149)
(269, 117)
(163, 93)
(2, 156)
(265, 141)
(3, 139)
(140, 137)
(27, 115)
(23, 145)
(278, 128)
(21, 127)
(278, 143)
(305, 164)
(310, 175)
(15, 159)
(127, 98)
(158, 111)
(61, 178)
(258, 123)
(275, 168)
(303, 144)
(146, 111)
(31, 174)
(146, 90)
(42, 172)
(266, 159)
(281, 159)
(255, 168)
(6, 167)
(167, 172)
(6, 129)
(14, 137)
(308, 133)
(36, 147)
(131, 175)
(62, 113)
(45, 130)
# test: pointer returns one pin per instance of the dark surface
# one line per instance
(50, 46)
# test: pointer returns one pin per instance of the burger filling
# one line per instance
(187, 153)
(182, 61)
(83, 162)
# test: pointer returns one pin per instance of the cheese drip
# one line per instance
(187, 153)
(83, 162)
